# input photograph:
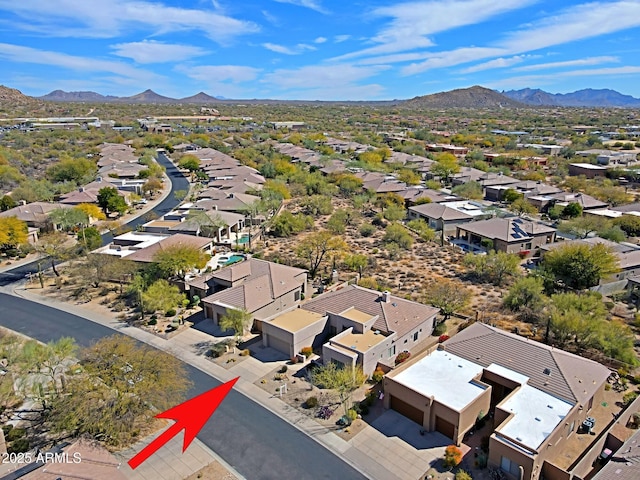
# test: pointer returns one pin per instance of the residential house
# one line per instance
(142, 246)
(536, 396)
(364, 327)
(415, 194)
(447, 216)
(264, 289)
(511, 235)
(587, 169)
(623, 464)
(35, 215)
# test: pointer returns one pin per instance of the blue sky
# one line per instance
(318, 49)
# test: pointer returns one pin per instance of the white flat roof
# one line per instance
(445, 376)
(467, 207)
(536, 414)
(506, 373)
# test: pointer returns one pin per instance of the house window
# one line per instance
(392, 351)
(528, 246)
(296, 295)
(509, 466)
(415, 337)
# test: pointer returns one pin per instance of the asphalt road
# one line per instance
(178, 182)
(257, 443)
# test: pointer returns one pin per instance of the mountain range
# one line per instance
(473, 97)
(582, 98)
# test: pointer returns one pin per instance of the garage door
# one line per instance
(280, 345)
(444, 427)
(407, 410)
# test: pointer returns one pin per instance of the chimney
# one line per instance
(22, 202)
(81, 189)
(98, 179)
(231, 195)
(386, 296)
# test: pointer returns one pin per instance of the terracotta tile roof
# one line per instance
(146, 254)
(570, 377)
(398, 315)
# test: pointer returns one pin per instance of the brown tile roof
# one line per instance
(507, 229)
(32, 212)
(398, 315)
(625, 463)
(584, 200)
(261, 282)
(146, 254)
(438, 211)
(571, 377)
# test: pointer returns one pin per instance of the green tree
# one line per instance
(178, 260)
(110, 200)
(13, 232)
(189, 162)
(122, 386)
(238, 320)
(180, 195)
(356, 262)
(445, 166)
(91, 210)
(394, 213)
(526, 297)
(580, 266)
(470, 190)
(152, 186)
(68, 218)
(572, 210)
(582, 227)
(316, 247)
(287, 224)
(161, 296)
(397, 234)
(344, 381)
(522, 207)
(447, 295)
(7, 203)
(77, 170)
(494, 267)
(630, 224)
(511, 195)
(317, 205)
(89, 238)
(425, 232)
(57, 247)
(614, 233)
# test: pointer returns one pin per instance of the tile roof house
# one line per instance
(366, 326)
(536, 396)
(147, 254)
(625, 463)
(447, 216)
(264, 289)
(511, 235)
(35, 214)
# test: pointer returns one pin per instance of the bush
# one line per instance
(452, 456)
(307, 351)
(170, 313)
(245, 353)
(7, 428)
(283, 369)
(324, 412)
(15, 434)
(19, 446)
(352, 414)
(311, 402)
(440, 329)
(402, 357)
(367, 230)
(377, 375)
(217, 350)
(607, 386)
(443, 338)
(185, 303)
(153, 321)
(629, 397)
(462, 475)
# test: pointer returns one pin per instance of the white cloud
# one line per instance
(222, 80)
(150, 51)
(320, 40)
(20, 54)
(312, 4)
(341, 38)
(295, 50)
(321, 76)
(575, 23)
(569, 63)
(270, 17)
(495, 63)
(413, 22)
(88, 19)
(452, 58)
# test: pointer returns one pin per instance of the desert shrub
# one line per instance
(217, 350)
(377, 375)
(629, 397)
(607, 387)
(452, 456)
(283, 369)
(15, 434)
(19, 446)
(402, 357)
(6, 429)
(153, 321)
(440, 329)
(324, 412)
(366, 230)
(462, 475)
(352, 414)
(307, 351)
(185, 303)
(311, 402)
(170, 313)
(245, 353)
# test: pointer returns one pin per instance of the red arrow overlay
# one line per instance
(190, 416)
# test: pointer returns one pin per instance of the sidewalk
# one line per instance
(363, 452)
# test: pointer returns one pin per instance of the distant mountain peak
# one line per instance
(472, 97)
(588, 97)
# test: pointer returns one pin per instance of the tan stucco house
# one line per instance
(536, 396)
